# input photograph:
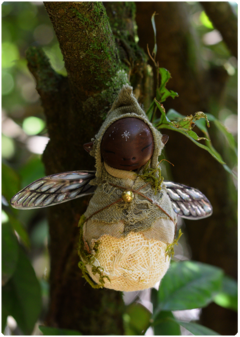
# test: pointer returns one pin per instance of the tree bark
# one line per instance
(212, 240)
(74, 107)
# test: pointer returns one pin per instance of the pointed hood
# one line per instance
(125, 105)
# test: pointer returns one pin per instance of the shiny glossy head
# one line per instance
(127, 144)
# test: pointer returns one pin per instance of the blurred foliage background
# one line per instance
(24, 137)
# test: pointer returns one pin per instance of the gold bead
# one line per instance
(127, 196)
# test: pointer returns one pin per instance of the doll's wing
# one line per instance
(188, 202)
(54, 189)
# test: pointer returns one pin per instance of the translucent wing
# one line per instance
(188, 202)
(54, 189)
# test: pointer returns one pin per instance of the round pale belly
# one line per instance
(131, 263)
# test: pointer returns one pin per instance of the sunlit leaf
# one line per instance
(136, 319)
(196, 329)
(188, 285)
(49, 331)
(228, 296)
(165, 325)
(9, 252)
(205, 20)
(21, 296)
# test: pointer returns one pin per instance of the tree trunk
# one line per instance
(212, 240)
(74, 106)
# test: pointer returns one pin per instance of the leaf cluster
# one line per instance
(187, 285)
(21, 290)
(173, 120)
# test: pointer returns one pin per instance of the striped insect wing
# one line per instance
(188, 202)
(54, 189)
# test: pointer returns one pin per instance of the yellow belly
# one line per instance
(131, 263)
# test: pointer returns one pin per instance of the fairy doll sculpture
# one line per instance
(130, 221)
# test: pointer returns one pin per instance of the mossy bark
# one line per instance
(212, 240)
(74, 107)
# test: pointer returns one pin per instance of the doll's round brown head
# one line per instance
(127, 144)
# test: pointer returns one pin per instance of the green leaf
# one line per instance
(149, 112)
(230, 139)
(9, 252)
(18, 227)
(3, 317)
(136, 319)
(188, 285)
(154, 52)
(165, 77)
(163, 93)
(201, 124)
(197, 329)
(205, 20)
(10, 182)
(21, 296)
(228, 296)
(165, 325)
(187, 122)
(49, 331)
(211, 150)
(163, 118)
(168, 93)
(173, 115)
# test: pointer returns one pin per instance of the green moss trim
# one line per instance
(89, 259)
(170, 248)
(152, 176)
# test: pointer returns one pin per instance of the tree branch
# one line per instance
(225, 20)
(122, 20)
(87, 45)
(53, 90)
